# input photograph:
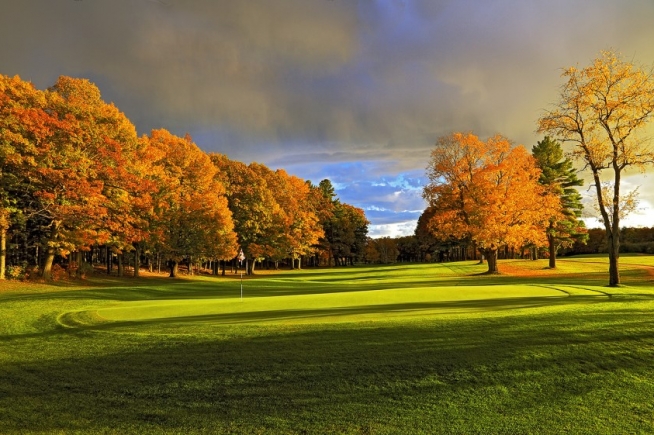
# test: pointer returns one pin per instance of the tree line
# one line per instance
(79, 187)
(421, 247)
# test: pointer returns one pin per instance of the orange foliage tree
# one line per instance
(603, 110)
(253, 206)
(107, 139)
(487, 192)
(192, 218)
(299, 228)
(66, 187)
(24, 123)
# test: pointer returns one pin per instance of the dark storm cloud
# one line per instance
(305, 84)
(190, 63)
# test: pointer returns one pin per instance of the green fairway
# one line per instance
(415, 348)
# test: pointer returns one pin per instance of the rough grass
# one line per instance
(376, 350)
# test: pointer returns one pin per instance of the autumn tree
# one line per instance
(560, 177)
(193, 218)
(370, 252)
(23, 123)
(300, 229)
(67, 197)
(603, 111)
(44, 152)
(106, 137)
(487, 192)
(254, 209)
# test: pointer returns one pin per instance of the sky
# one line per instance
(354, 91)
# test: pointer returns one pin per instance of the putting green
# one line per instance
(333, 307)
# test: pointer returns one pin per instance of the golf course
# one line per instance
(415, 348)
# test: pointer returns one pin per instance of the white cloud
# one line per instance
(397, 229)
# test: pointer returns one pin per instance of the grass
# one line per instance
(416, 348)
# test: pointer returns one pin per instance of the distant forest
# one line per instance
(423, 248)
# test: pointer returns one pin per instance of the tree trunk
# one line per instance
(174, 267)
(121, 264)
(491, 258)
(137, 260)
(80, 260)
(224, 266)
(612, 226)
(3, 252)
(552, 247)
(299, 263)
(47, 266)
(109, 260)
(614, 255)
(50, 253)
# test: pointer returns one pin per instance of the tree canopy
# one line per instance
(487, 192)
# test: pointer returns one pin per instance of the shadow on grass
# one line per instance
(75, 322)
(539, 373)
(289, 284)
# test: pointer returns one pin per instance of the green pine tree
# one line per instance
(559, 174)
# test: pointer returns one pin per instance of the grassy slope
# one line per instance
(397, 349)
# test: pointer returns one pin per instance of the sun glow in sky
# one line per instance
(353, 91)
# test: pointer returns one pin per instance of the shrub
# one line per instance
(16, 272)
(58, 272)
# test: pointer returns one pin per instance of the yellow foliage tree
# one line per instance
(487, 192)
(603, 110)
